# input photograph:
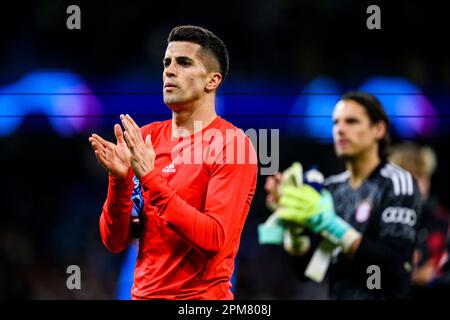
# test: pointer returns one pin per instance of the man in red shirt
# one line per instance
(196, 174)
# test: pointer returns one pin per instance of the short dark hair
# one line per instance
(205, 39)
(376, 113)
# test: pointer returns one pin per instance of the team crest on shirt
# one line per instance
(363, 212)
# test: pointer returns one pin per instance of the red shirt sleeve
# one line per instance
(229, 194)
(116, 213)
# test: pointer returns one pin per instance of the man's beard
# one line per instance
(175, 103)
(345, 157)
(171, 100)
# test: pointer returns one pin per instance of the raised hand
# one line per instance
(271, 187)
(142, 157)
(115, 158)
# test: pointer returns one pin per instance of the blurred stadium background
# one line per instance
(290, 61)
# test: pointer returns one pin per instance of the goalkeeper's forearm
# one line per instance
(342, 233)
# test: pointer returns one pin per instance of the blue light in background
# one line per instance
(55, 94)
(311, 114)
(411, 113)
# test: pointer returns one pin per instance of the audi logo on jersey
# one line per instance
(399, 215)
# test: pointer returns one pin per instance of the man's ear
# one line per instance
(213, 81)
(381, 129)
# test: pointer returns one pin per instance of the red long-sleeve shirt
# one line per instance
(194, 212)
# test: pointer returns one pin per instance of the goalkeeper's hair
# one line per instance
(208, 41)
(376, 114)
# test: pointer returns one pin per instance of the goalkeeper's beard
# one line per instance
(351, 157)
(346, 157)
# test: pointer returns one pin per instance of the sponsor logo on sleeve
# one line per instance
(401, 215)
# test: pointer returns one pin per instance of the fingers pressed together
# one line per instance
(132, 131)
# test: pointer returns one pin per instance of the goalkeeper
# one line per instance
(366, 216)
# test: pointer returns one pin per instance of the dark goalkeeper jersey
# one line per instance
(385, 209)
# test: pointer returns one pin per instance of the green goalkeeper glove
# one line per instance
(273, 230)
(304, 205)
